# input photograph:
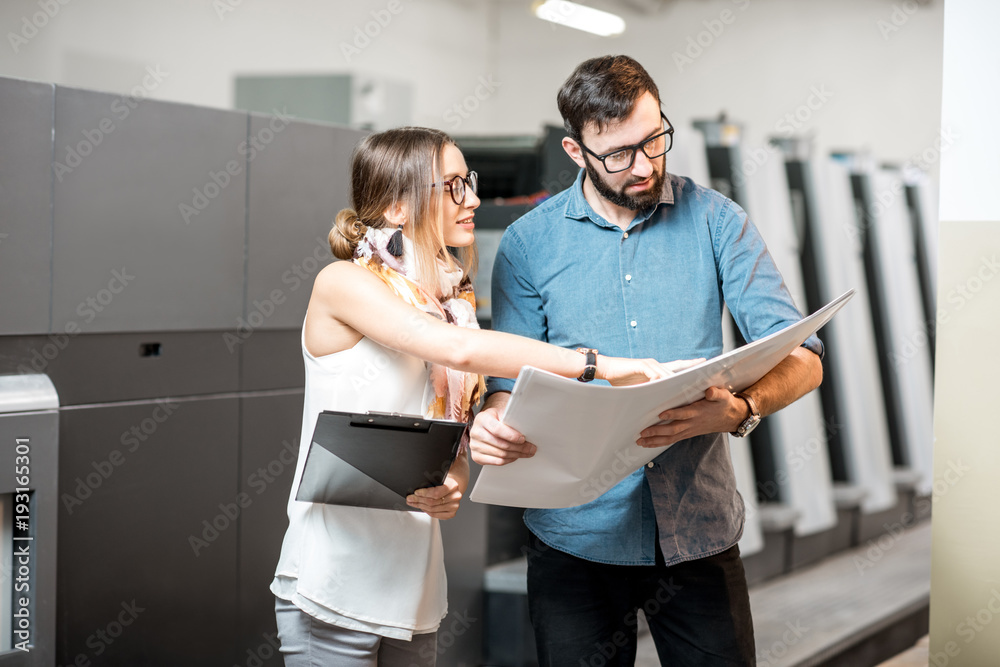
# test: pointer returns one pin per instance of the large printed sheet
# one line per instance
(586, 433)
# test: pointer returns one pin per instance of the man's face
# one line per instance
(641, 185)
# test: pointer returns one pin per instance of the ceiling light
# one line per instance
(572, 15)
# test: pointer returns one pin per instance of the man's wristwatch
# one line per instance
(590, 370)
(750, 423)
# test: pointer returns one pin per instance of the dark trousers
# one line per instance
(584, 614)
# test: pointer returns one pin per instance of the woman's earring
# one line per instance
(395, 245)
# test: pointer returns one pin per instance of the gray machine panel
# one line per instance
(299, 180)
(268, 452)
(272, 360)
(26, 192)
(149, 223)
(139, 484)
(92, 368)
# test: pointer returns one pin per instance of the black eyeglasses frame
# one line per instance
(459, 183)
(669, 132)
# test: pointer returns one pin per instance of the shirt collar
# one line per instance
(578, 208)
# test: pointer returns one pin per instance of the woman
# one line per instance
(394, 330)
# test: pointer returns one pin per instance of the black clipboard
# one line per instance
(376, 459)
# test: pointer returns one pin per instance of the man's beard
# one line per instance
(618, 197)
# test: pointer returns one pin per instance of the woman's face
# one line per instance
(457, 219)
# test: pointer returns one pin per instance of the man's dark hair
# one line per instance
(603, 91)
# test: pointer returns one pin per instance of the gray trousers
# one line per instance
(309, 642)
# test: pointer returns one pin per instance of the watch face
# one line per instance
(749, 425)
(590, 370)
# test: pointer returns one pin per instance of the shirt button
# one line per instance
(632, 323)
(649, 465)
(626, 235)
(628, 277)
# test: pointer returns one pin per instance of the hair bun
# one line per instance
(347, 232)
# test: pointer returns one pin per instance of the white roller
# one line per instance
(909, 356)
(752, 540)
(928, 199)
(802, 460)
(854, 363)
(688, 156)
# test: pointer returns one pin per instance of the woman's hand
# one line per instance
(621, 372)
(441, 502)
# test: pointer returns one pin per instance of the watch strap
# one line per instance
(590, 369)
(752, 420)
(752, 404)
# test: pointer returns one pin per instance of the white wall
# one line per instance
(886, 93)
(884, 84)
(965, 556)
(203, 44)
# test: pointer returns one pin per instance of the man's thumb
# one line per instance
(715, 393)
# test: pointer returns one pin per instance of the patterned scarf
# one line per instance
(454, 393)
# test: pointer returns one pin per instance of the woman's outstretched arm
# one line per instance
(351, 295)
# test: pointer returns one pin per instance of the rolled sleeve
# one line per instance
(815, 345)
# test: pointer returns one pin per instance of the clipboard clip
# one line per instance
(391, 420)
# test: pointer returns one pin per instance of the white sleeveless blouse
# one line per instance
(373, 570)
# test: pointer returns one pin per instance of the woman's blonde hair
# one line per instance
(397, 167)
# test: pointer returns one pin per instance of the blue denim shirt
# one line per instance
(565, 275)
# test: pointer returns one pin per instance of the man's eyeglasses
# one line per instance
(623, 158)
(456, 186)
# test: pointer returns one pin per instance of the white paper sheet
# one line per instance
(586, 433)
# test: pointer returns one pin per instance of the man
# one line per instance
(637, 262)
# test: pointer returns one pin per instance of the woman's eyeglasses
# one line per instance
(456, 186)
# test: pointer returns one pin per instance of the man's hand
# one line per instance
(493, 443)
(719, 412)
